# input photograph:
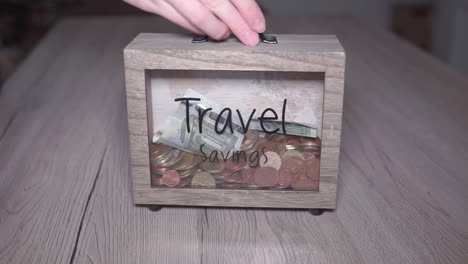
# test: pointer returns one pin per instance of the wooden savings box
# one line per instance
(224, 124)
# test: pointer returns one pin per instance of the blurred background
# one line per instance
(435, 26)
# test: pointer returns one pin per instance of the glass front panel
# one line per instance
(235, 130)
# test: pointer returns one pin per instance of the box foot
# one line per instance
(154, 208)
(316, 211)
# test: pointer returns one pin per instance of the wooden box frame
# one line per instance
(300, 53)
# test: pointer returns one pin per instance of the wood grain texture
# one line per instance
(322, 54)
(175, 51)
(403, 170)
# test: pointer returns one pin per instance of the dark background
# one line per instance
(437, 27)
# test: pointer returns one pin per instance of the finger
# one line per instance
(201, 17)
(165, 10)
(228, 33)
(231, 17)
(251, 13)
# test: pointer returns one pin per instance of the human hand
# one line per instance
(215, 18)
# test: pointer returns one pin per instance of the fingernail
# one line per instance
(259, 25)
(251, 38)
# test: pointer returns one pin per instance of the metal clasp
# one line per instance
(263, 38)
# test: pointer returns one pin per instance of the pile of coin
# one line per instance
(285, 162)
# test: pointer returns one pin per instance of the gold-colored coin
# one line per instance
(187, 162)
(303, 147)
(213, 166)
(293, 153)
(280, 148)
(203, 180)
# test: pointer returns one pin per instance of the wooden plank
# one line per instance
(17, 87)
(46, 177)
(402, 184)
(275, 236)
(55, 133)
(116, 231)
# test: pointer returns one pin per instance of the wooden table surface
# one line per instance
(64, 162)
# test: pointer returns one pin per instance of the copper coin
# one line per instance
(305, 184)
(299, 174)
(171, 178)
(248, 175)
(309, 155)
(294, 163)
(266, 177)
(270, 159)
(213, 166)
(286, 177)
(292, 140)
(267, 146)
(299, 171)
(184, 182)
(235, 165)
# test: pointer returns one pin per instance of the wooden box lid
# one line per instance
(312, 53)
